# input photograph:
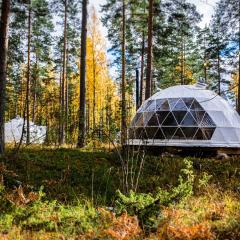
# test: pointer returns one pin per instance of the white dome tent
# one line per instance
(186, 116)
(14, 127)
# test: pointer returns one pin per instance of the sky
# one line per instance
(206, 8)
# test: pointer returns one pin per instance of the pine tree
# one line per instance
(5, 11)
(42, 27)
(123, 74)
(66, 56)
(201, 57)
(121, 18)
(149, 51)
(229, 25)
(17, 44)
(217, 45)
(82, 100)
(28, 72)
(175, 29)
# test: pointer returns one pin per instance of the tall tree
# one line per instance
(3, 66)
(201, 57)
(121, 18)
(149, 86)
(16, 55)
(66, 56)
(216, 49)
(63, 78)
(123, 85)
(41, 43)
(142, 68)
(82, 100)
(229, 25)
(95, 39)
(28, 72)
(175, 29)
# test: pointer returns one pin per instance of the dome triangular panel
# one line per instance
(189, 120)
(159, 134)
(165, 106)
(172, 102)
(151, 132)
(169, 131)
(153, 120)
(161, 115)
(170, 120)
(180, 106)
(179, 134)
(179, 115)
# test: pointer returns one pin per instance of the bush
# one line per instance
(144, 206)
(148, 207)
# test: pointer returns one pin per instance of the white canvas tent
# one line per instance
(186, 116)
(13, 131)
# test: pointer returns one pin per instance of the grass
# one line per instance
(80, 189)
(66, 173)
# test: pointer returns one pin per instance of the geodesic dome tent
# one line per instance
(186, 116)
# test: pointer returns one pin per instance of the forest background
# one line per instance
(44, 62)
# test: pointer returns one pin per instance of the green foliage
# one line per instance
(204, 180)
(134, 201)
(5, 206)
(51, 216)
(183, 190)
(186, 181)
(147, 206)
(174, 25)
(6, 217)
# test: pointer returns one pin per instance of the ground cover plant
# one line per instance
(72, 194)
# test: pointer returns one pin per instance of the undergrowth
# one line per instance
(178, 198)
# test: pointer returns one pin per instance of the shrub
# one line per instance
(148, 207)
(144, 206)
